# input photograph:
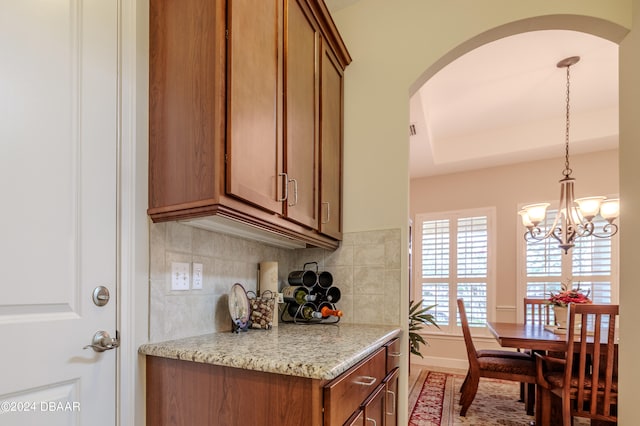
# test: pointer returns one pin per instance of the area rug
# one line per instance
(496, 402)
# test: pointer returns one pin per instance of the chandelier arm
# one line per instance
(585, 229)
(551, 232)
(610, 229)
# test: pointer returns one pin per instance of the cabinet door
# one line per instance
(391, 399)
(374, 414)
(356, 420)
(301, 113)
(331, 130)
(186, 104)
(254, 139)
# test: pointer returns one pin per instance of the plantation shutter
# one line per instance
(544, 263)
(435, 267)
(454, 262)
(472, 262)
(591, 266)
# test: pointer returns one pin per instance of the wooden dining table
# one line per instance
(535, 337)
(529, 336)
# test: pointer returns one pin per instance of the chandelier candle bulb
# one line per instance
(536, 212)
(610, 209)
(589, 206)
(525, 218)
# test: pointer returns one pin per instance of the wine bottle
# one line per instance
(327, 310)
(297, 294)
(307, 311)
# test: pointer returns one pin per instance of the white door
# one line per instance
(58, 156)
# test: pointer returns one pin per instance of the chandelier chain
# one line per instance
(567, 170)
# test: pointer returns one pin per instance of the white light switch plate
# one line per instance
(179, 276)
(197, 276)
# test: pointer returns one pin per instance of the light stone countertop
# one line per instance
(316, 351)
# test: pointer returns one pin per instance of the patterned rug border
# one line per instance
(431, 399)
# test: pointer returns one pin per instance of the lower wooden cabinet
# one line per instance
(347, 393)
(183, 392)
(368, 393)
(196, 394)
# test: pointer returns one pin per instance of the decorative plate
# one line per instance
(239, 308)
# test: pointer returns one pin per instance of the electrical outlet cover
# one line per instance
(179, 276)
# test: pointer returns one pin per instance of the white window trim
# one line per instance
(521, 268)
(490, 213)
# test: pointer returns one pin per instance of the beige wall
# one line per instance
(505, 188)
(394, 45)
(630, 205)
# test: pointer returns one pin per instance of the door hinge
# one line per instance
(226, 33)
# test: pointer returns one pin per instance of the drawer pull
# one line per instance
(365, 380)
(393, 398)
(395, 354)
(372, 421)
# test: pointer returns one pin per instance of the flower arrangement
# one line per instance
(566, 296)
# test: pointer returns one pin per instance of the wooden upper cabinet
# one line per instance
(301, 113)
(331, 131)
(186, 104)
(254, 140)
(239, 91)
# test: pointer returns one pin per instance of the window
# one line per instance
(591, 264)
(455, 259)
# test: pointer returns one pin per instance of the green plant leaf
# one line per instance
(418, 318)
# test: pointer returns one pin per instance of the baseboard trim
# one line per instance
(441, 362)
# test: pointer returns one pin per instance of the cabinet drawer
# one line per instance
(393, 354)
(346, 393)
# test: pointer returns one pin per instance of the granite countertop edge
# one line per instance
(284, 350)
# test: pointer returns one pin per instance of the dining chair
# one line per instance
(496, 364)
(537, 311)
(588, 381)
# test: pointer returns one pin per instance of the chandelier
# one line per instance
(575, 216)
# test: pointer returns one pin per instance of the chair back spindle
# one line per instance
(537, 311)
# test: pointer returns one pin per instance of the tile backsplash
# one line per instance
(366, 268)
